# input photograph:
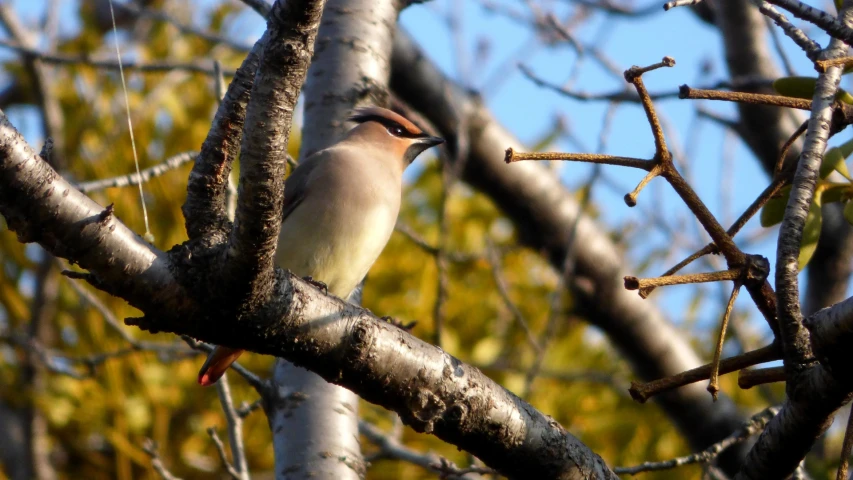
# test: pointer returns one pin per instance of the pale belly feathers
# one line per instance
(335, 244)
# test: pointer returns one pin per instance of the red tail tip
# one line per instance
(205, 381)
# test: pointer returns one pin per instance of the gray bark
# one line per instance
(318, 434)
(314, 425)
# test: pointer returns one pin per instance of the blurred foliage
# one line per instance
(96, 425)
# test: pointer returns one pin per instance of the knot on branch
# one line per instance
(756, 270)
(425, 407)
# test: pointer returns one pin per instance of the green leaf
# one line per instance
(798, 87)
(774, 209)
(831, 158)
(835, 193)
(848, 212)
(803, 87)
(834, 159)
(811, 234)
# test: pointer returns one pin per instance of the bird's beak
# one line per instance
(430, 141)
(418, 145)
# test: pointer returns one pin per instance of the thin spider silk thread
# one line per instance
(148, 235)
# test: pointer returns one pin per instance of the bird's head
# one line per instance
(391, 132)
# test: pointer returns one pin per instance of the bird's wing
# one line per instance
(297, 185)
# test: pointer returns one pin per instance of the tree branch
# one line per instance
(432, 391)
(814, 393)
(291, 28)
(545, 214)
(205, 211)
(794, 338)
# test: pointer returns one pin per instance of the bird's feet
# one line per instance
(322, 286)
(393, 321)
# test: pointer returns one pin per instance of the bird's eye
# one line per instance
(397, 131)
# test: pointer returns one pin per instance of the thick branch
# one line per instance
(205, 211)
(291, 28)
(432, 391)
(793, 336)
(34, 199)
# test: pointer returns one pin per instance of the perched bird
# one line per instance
(340, 208)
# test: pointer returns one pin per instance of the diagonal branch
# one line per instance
(432, 391)
(827, 22)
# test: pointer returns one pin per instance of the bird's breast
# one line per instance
(335, 242)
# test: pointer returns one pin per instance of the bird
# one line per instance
(340, 207)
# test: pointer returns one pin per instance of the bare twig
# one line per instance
(439, 309)
(133, 179)
(149, 447)
(419, 241)
(390, 447)
(235, 428)
(751, 427)
(135, 345)
(247, 408)
(634, 283)
(713, 385)
(220, 448)
(503, 291)
(827, 22)
(513, 156)
(569, 263)
(643, 391)
(680, 3)
(750, 377)
(259, 6)
(799, 37)
(183, 27)
(779, 181)
(846, 447)
(742, 97)
(82, 60)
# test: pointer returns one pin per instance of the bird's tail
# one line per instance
(217, 362)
